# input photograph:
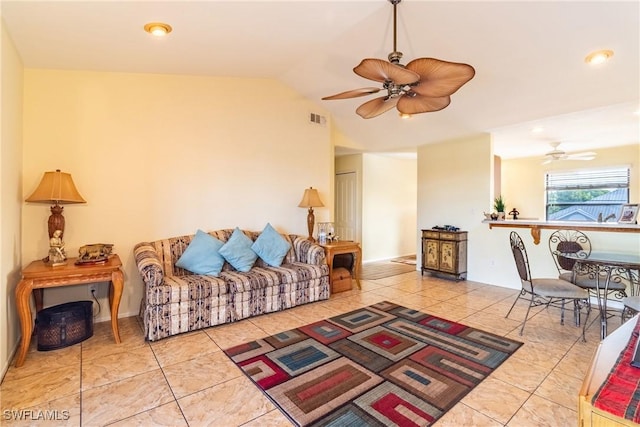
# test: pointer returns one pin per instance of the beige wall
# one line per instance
(157, 156)
(11, 194)
(340, 140)
(389, 187)
(454, 188)
(386, 203)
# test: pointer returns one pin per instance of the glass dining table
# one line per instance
(606, 267)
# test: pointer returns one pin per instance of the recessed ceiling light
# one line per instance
(158, 29)
(598, 57)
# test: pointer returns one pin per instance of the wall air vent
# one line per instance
(317, 119)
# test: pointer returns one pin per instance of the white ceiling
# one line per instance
(528, 56)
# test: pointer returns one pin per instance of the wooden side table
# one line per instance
(38, 276)
(343, 247)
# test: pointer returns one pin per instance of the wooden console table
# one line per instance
(38, 276)
(536, 226)
(343, 247)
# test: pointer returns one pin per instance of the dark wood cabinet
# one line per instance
(444, 253)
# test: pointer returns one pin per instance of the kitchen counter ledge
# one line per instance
(536, 226)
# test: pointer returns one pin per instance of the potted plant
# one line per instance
(499, 206)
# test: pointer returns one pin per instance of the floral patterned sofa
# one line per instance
(176, 300)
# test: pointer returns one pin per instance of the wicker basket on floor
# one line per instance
(64, 325)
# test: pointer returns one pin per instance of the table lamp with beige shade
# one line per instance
(311, 199)
(56, 188)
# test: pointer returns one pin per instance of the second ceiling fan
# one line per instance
(557, 154)
(423, 85)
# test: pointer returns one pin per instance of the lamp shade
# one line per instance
(56, 187)
(310, 199)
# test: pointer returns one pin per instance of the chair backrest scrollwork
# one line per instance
(568, 242)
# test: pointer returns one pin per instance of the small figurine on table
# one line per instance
(57, 255)
(94, 253)
(514, 212)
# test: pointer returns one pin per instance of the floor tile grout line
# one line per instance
(164, 375)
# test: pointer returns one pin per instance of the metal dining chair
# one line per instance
(546, 291)
(631, 307)
(567, 247)
(631, 304)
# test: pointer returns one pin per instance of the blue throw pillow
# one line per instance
(237, 251)
(201, 256)
(271, 246)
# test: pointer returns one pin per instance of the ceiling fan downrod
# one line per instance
(394, 90)
(395, 56)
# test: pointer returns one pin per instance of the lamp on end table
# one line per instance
(56, 188)
(311, 199)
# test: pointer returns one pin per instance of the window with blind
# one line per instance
(586, 195)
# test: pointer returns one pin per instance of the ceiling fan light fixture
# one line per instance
(405, 116)
(158, 29)
(598, 57)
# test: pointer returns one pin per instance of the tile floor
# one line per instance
(187, 380)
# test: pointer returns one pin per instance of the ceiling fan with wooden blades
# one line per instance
(557, 154)
(423, 85)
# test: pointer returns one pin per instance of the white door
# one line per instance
(346, 222)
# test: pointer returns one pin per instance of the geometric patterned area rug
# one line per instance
(381, 365)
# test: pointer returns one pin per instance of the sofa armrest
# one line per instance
(308, 252)
(149, 264)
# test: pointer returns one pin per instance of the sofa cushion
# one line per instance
(261, 277)
(237, 251)
(201, 256)
(270, 246)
